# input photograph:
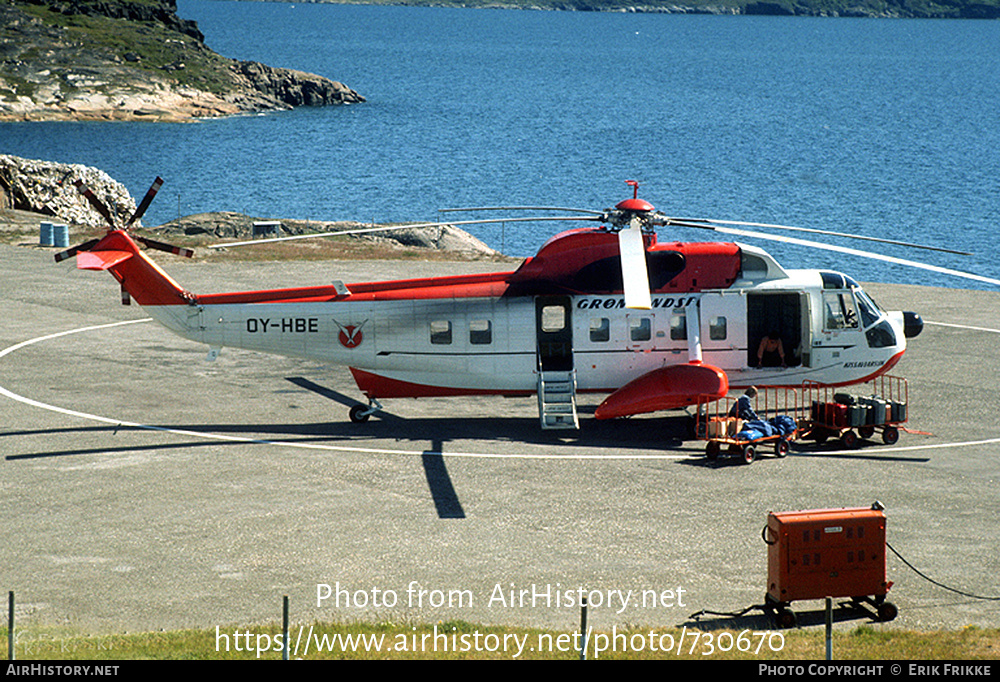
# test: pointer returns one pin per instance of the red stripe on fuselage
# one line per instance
(376, 386)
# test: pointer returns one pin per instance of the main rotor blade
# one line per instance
(857, 252)
(635, 279)
(387, 228)
(522, 208)
(98, 205)
(706, 222)
(146, 201)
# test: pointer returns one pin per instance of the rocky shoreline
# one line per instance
(65, 62)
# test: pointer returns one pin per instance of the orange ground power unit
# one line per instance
(827, 553)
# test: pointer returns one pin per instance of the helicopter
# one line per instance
(607, 309)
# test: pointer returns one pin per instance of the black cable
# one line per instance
(731, 614)
(931, 580)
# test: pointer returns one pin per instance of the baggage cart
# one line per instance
(834, 413)
(726, 435)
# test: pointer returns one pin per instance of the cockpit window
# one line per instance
(881, 336)
(870, 312)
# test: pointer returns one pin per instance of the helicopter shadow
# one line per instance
(439, 483)
(666, 433)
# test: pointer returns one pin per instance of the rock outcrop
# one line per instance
(48, 188)
(65, 61)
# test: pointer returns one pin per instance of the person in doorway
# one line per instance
(771, 352)
(743, 407)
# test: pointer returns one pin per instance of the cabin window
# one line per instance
(678, 325)
(553, 318)
(440, 332)
(717, 328)
(840, 312)
(480, 332)
(600, 329)
(640, 329)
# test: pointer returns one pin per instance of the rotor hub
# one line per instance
(635, 206)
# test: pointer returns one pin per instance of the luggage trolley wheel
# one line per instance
(890, 434)
(748, 454)
(712, 449)
(781, 448)
(849, 439)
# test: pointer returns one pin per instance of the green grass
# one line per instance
(463, 640)
(156, 47)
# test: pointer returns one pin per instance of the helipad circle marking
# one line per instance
(384, 451)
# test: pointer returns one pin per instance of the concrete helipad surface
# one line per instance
(145, 488)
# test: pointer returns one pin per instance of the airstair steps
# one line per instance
(557, 400)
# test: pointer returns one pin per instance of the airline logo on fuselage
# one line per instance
(615, 302)
(350, 334)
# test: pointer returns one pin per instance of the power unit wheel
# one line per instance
(887, 611)
(786, 618)
(890, 435)
(781, 448)
(749, 454)
(357, 414)
(849, 440)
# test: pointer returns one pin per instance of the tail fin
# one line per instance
(140, 277)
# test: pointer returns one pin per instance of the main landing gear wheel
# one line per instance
(359, 414)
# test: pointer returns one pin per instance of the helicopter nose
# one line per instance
(913, 324)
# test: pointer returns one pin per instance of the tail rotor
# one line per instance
(108, 216)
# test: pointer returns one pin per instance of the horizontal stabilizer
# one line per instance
(665, 388)
(100, 260)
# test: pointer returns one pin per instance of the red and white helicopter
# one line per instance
(605, 309)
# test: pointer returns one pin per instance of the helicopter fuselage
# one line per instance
(496, 333)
